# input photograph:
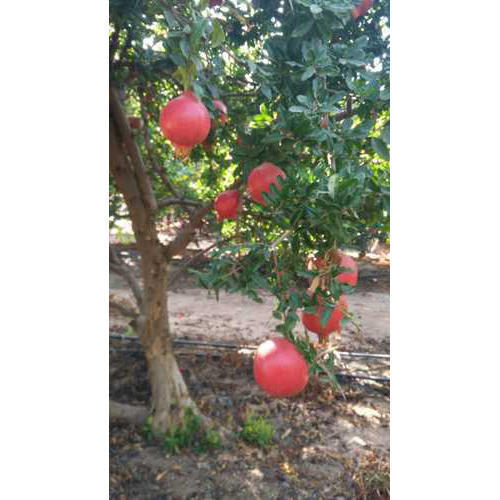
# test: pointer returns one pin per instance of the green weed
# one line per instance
(257, 430)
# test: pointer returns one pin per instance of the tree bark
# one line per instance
(170, 396)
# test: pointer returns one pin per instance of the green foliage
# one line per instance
(190, 434)
(257, 430)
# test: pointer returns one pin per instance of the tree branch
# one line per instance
(185, 265)
(185, 235)
(119, 267)
(123, 309)
(178, 201)
(133, 151)
(347, 113)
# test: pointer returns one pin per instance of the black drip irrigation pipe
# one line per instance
(227, 345)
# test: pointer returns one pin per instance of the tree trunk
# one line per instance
(170, 396)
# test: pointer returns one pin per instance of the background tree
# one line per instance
(306, 85)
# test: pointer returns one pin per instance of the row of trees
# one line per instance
(306, 87)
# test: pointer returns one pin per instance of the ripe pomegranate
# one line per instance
(279, 368)
(261, 178)
(361, 9)
(185, 120)
(313, 321)
(348, 278)
(227, 204)
(135, 122)
(214, 3)
(222, 108)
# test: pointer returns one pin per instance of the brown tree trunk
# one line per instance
(170, 396)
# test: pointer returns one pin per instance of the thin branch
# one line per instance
(166, 202)
(241, 94)
(347, 113)
(184, 237)
(120, 268)
(133, 151)
(193, 259)
(123, 309)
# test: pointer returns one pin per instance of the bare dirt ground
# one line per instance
(327, 444)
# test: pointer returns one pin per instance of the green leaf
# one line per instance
(302, 28)
(218, 36)
(303, 99)
(266, 91)
(385, 94)
(308, 73)
(297, 109)
(380, 148)
(385, 135)
(331, 185)
(184, 48)
(325, 316)
(196, 34)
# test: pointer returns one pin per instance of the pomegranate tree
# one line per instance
(226, 205)
(329, 197)
(185, 121)
(261, 178)
(279, 368)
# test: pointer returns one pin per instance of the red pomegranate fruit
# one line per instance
(185, 121)
(313, 321)
(348, 278)
(279, 368)
(226, 205)
(223, 110)
(362, 8)
(261, 178)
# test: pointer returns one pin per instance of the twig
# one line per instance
(347, 113)
(185, 265)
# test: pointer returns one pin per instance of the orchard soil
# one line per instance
(327, 444)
